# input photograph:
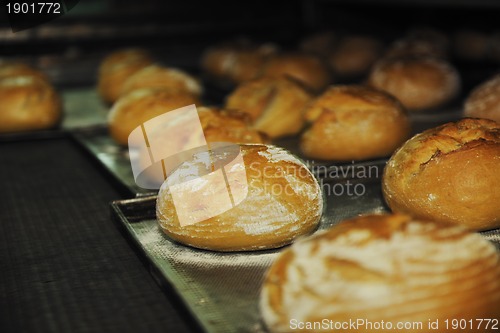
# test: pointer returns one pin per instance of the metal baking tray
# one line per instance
(221, 290)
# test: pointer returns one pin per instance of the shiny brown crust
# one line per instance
(116, 68)
(448, 174)
(390, 268)
(283, 202)
(305, 68)
(484, 100)
(420, 83)
(140, 105)
(28, 103)
(159, 77)
(354, 56)
(354, 123)
(275, 105)
(236, 62)
(16, 69)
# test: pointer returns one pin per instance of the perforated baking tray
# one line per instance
(221, 290)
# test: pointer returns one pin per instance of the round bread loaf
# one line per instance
(158, 77)
(305, 68)
(383, 273)
(354, 56)
(140, 105)
(320, 43)
(236, 62)
(275, 105)
(420, 83)
(354, 123)
(448, 173)
(16, 69)
(276, 199)
(218, 126)
(116, 68)
(28, 103)
(484, 100)
(471, 45)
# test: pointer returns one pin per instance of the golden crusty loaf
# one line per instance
(305, 68)
(236, 62)
(218, 125)
(275, 105)
(484, 100)
(116, 68)
(354, 55)
(140, 105)
(159, 77)
(283, 200)
(449, 173)
(383, 270)
(420, 83)
(28, 102)
(354, 123)
(16, 69)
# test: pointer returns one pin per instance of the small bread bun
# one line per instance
(140, 105)
(354, 56)
(158, 77)
(116, 68)
(305, 68)
(484, 100)
(381, 271)
(218, 126)
(448, 173)
(354, 123)
(320, 43)
(236, 62)
(420, 83)
(16, 69)
(414, 48)
(28, 103)
(275, 105)
(281, 201)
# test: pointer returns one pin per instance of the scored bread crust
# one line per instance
(275, 105)
(448, 173)
(484, 100)
(283, 202)
(116, 68)
(354, 123)
(383, 267)
(420, 83)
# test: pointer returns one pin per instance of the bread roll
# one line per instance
(158, 77)
(281, 201)
(236, 62)
(275, 105)
(354, 56)
(381, 271)
(420, 83)
(484, 100)
(305, 68)
(218, 126)
(16, 69)
(116, 68)
(354, 123)
(135, 108)
(448, 174)
(27, 103)
(319, 44)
